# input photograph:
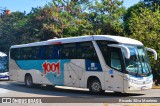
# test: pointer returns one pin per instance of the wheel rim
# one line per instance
(96, 87)
(29, 81)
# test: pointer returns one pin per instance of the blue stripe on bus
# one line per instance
(4, 76)
(38, 65)
(53, 77)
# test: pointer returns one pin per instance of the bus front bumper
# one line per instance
(132, 87)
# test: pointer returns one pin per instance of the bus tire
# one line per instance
(95, 87)
(118, 93)
(50, 87)
(29, 81)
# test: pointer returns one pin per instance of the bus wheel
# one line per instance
(95, 87)
(117, 93)
(29, 81)
(50, 87)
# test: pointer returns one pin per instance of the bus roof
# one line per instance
(2, 54)
(118, 39)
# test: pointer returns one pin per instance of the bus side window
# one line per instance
(34, 53)
(13, 53)
(86, 50)
(115, 59)
(103, 45)
(52, 51)
(57, 54)
(68, 51)
(41, 54)
(26, 53)
(49, 52)
(19, 54)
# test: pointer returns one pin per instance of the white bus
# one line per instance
(3, 67)
(98, 62)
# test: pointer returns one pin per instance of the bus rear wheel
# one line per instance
(51, 87)
(95, 87)
(29, 81)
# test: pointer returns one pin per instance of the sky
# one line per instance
(26, 5)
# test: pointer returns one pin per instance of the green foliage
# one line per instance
(58, 19)
(105, 15)
(10, 28)
(62, 18)
(152, 4)
(142, 23)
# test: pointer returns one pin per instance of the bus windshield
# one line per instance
(3, 64)
(138, 64)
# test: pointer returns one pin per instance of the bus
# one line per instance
(3, 67)
(96, 62)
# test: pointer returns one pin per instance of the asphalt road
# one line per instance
(66, 94)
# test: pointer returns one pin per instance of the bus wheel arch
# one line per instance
(28, 80)
(94, 85)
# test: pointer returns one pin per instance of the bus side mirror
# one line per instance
(153, 51)
(123, 48)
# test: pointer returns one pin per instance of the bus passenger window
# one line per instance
(35, 51)
(56, 49)
(49, 52)
(115, 61)
(52, 51)
(17, 54)
(103, 45)
(27, 53)
(86, 50)
(13, 53)
(41, 54)
(68, 51)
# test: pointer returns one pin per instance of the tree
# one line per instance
(142, 23)
(106, 16)
(151, 2)
(69, 18)
(10, 28)
(60, 18)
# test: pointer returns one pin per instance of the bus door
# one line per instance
(114, 76)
